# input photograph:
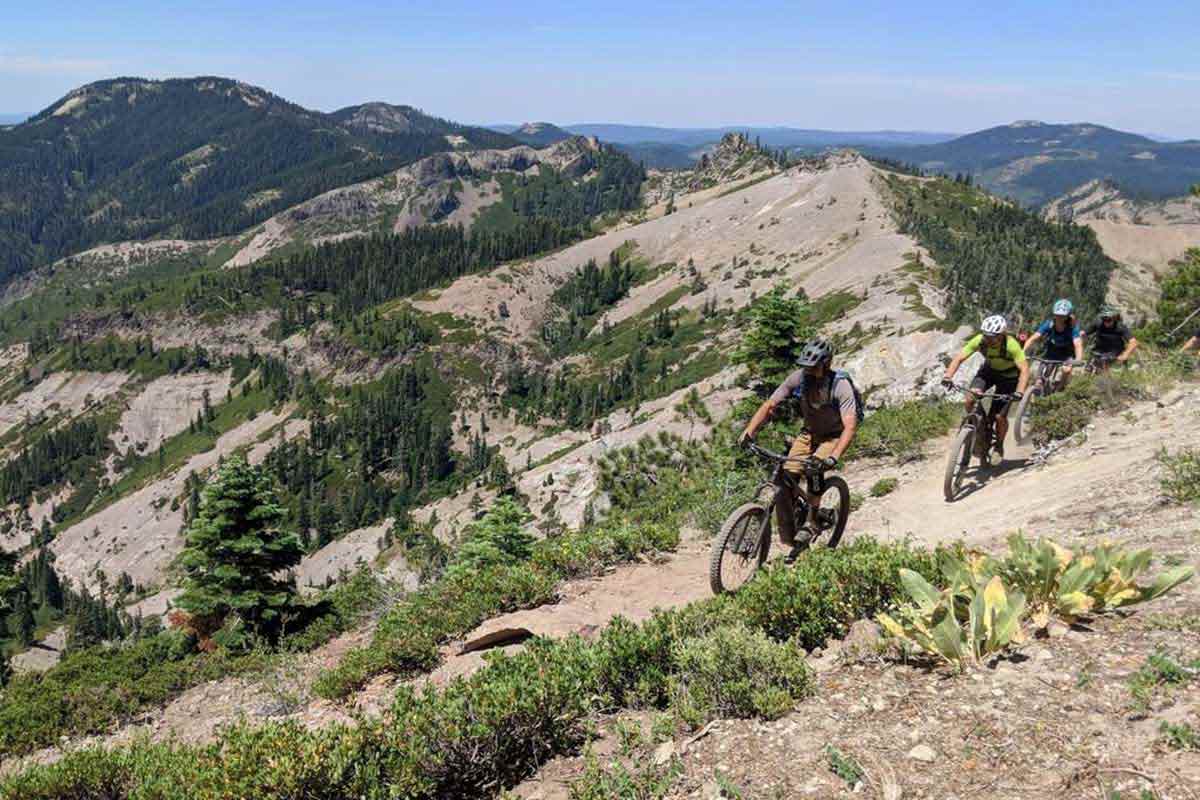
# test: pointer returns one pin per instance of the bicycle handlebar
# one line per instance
(981, 395)
(1072, 361)
(758, 450)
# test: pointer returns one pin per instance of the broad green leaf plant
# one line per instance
(989, 602)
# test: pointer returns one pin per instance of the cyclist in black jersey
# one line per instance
(1110, 338)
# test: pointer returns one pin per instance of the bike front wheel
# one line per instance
(1021, 424)
(740, 548)
(956, 462)
(833, 509)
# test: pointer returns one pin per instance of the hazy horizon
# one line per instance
(935, 67)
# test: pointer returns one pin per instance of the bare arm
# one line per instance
(849, 428)
(1189, 344)
(953, 366)
(1079, 347)
(1129, 348)
(759, 419)
(1030, 341)
(1023, 380)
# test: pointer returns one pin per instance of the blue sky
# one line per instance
(947, 66)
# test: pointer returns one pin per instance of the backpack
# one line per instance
(838, 375)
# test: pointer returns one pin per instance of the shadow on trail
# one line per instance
(978, 477)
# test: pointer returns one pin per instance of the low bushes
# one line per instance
(900, 431)
(728, 655)
(1181, 476)
(407, 639)
(1069, 411)
(90, 690)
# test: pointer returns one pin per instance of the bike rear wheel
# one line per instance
(956, 462)
(740, 548)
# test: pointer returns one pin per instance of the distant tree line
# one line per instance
(998, 257)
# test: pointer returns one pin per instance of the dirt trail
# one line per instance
(632, 591)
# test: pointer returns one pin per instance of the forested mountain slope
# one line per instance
(193, 158)
(1036, 162)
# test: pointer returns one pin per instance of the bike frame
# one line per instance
(980, 419)
(781, 480)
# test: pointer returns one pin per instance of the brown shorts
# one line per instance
(806, 445)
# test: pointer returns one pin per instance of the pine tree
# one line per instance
(778, 329)
(235, 549)
(25, 625)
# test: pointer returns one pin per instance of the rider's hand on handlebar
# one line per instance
(746, 438)
(947, 383)
(1016, 397)
(829, 463)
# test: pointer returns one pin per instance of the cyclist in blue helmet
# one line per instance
(1062, 337)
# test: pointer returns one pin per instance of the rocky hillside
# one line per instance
(1144, 236)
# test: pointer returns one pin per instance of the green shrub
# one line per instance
(90, 690)
(617, 782)
(495, 728)
(735, 672)
(884, 487)
(1160, 672)
(1180, 737)
(409, 635)
(1069, 411)
(500, 537)
(1181, 478)
(820, 595)
(901, 431)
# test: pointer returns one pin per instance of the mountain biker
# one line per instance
(1004, 367)
(1110, 337)
(829, 406)
(1062, 337)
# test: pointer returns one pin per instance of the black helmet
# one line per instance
(815, 352)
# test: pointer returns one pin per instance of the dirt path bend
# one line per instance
(1089, 486)
(632, 591)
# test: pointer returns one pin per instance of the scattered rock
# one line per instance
(923, 753)
(863, 641)
(664, 753)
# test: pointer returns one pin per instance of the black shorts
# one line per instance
(1004, 384)
(1058, 355)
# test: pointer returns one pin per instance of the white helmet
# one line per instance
(994, 325)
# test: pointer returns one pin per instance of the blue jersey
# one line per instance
(1059, 342)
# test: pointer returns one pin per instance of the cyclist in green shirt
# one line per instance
(1004, 367)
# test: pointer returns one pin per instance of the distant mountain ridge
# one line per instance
(1035, 162)
(191, 158)
(681, 148)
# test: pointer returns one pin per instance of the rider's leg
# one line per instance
(801, 448)
(822, 448)
(1000, 411)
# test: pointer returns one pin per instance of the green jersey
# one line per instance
(1003, 358)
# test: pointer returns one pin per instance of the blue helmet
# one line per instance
(1063, 307)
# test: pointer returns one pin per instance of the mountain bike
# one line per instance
(1049, 381)
(1100, 362)
(974, 436)
(744, 540)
